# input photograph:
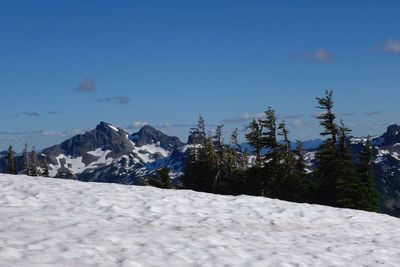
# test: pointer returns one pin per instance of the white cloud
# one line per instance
(138, 124)
(392, 46)
(87, 85)
(371, 112)
(243, 118)
(322, 55)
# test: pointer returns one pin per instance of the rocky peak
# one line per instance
(149, 135)
(392, 135)
(104, 136)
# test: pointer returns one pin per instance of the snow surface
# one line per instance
(55, 222)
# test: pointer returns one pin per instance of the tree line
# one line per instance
(340, 178)
(31, 165)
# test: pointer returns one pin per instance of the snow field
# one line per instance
(54, 222)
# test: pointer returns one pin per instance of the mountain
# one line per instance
(57, 222)
(109, 154)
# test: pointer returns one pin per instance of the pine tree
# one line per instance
(11, 164)
(348, 185)
(327, 116)
(364, 168)
(300, 160)
(201, 172)
(34, 169)
(165, 179)
(327, 156)
(242, 158)
(45, 172)
(268, 138)
(254, 137)
(271, 158)
(189, 176)
(27, 165)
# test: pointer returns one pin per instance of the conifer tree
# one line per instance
(11, 164)
(348, 186)
(271, 158)
(27, 165)
(34, 169)
(364, 169)
(300, 160)
(242, 159)
(190, 174)
(268, 138)
(327, 155)
(165, 178)
(45, 172)
(254, 137)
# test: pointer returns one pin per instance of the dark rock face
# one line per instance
(103, 136)
(149, 135)
(392, 135)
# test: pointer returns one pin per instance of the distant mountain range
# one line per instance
(110, 154)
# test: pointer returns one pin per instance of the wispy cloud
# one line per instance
(248, 117)
(175, 125)
(58, 133)
(46, 133)
(344, 114)
(243, 118)
(33, 114)
(322, 55)
(116, 99)
(29, 114)
(392, 46)
(137, 124)
(372, 112)
(53, 112)
(87, 85)
(298, 123)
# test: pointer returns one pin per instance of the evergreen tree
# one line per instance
(165, 179)
(327, 116)
(348, 186)
(268, 138)
(34, 169)
(291, 184)
(254, 137)
(27, 165)
(242, 157)
(300, 160)
(189, 176)
(271, 158)
(11, 164)
(327, 156)
(364, 169)
(201, 171)
(45, 172)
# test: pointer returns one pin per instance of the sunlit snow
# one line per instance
(55, 222)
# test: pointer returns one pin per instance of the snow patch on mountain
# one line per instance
(113, 127)
(77, 166)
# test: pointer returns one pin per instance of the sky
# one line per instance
(67, 65)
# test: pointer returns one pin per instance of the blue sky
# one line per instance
(66, 65)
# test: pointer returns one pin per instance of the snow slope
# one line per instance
(54, 222)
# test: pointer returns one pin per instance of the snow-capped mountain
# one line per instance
(109, 154)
